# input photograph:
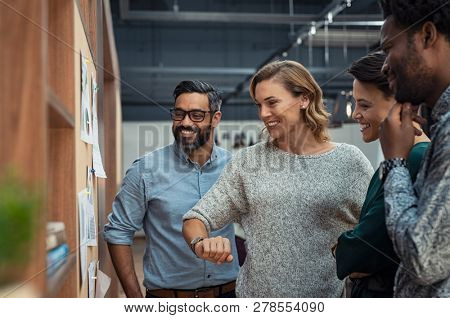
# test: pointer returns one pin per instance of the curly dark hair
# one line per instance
(368, 70)
(414, 13)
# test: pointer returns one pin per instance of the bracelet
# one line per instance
(194, 242)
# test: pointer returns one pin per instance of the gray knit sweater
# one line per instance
(292, 209)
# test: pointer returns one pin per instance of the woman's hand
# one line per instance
(214, 249)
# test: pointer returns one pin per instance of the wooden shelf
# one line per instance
(18, 290)
(59, 116)
(41, 103)
(88, 11)
(56, 281)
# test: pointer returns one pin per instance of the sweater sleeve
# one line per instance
(225, 201)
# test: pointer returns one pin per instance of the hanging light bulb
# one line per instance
(284, 54)
(176, 7)
(349, 3)
(299, 41)
(349, 109)
(312, 31)
(330, 17)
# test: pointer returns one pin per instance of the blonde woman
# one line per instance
(292, 194)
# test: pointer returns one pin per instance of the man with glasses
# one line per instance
(158, 189)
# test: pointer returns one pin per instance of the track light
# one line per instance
(330, 17)
(348, 109)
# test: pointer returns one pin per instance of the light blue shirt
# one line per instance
(158, 189)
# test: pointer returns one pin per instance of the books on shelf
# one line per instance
(57, 257)
(56, 234)
(56, 246)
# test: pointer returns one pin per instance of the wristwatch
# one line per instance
(194, 242)
(388, 165)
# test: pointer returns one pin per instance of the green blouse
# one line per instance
(367, 248)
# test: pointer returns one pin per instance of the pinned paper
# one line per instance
(88, 228)
(82, 197)
(103, 283)
(92, 225)
(83, 232)
(83, 261)
(96, 154)
(85, 109)
(92, 271)
(89, 185)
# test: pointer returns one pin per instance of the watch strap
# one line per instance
(194, 242)
(389, 164)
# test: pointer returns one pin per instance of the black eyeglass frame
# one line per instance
(189, 113)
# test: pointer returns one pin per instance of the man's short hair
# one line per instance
(214, 98)
(414, 13)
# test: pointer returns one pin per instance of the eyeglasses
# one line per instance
(195, 115)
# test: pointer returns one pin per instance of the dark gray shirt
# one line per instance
(418, 217)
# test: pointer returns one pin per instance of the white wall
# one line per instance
(142, 137)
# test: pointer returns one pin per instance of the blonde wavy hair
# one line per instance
(297, 80)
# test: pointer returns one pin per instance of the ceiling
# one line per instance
(163, 42)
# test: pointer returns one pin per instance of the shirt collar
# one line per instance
(183, 156)
(442, 106)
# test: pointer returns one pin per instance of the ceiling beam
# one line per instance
(241, 17)
(250, 18)
(210, 70)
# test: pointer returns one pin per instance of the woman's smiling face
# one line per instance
(372, 107)
(278, 108)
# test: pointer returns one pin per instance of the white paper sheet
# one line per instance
(97, 162)
(96, 154)
(92, 278)
(83, 261)
(82, 198)
(87, 213)
(89, 185)
(83, 225)
(91, 223)
(103, 282)
(85, 110)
